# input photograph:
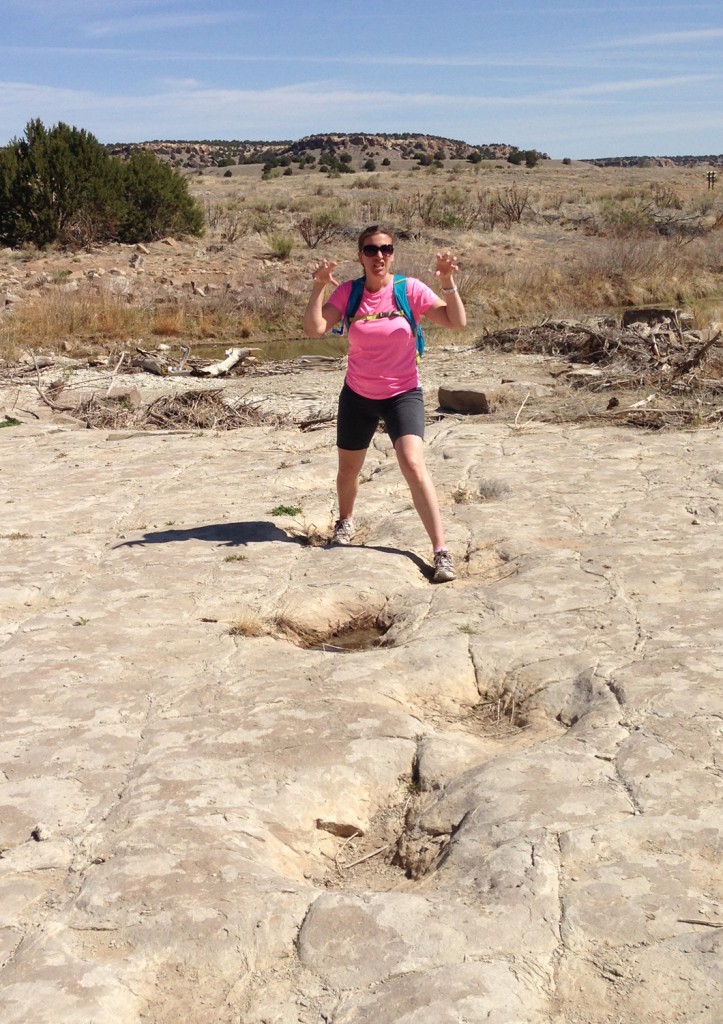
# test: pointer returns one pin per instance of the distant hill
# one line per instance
(350, 150)
(657, 161)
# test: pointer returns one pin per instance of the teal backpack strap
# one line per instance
(402, 301)
(353, 303)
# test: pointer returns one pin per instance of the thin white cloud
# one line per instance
(145, 23)
(50, 8)
(190, 99)
(652, 9)
(185, 111)
(694, 35)
(533, 61)
(668, 133)
(566, 62)
(181, 83)
(633, 85)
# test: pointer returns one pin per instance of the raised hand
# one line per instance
(446, 265)
(324, 273)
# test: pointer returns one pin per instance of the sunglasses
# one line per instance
(372, 250)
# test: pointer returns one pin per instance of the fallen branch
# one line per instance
(641, 403)
(354, 835)
(113, 375)
(699, 355)
(8, 412)
(517, 417)
(48, 401)
(368, 856)
(307, 424)
(184, 358)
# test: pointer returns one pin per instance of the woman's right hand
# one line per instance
(324, 273)
(319, 317)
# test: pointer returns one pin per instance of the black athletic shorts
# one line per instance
(359, 417)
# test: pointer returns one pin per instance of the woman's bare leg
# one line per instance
(410, 454)
(347, 479)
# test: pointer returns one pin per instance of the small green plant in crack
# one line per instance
(286, 510)
(16, 535)
(466, 627)
(10, 421)
(80, 621)
(235, 558)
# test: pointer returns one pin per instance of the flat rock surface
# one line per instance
(503, 806)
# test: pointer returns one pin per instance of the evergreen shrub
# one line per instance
(60, 185)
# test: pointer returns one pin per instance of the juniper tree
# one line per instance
(61, 185)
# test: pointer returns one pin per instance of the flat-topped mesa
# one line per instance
(403, 145)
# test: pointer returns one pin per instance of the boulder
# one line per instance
(467, 398)
(651, 315)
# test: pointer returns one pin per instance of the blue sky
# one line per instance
(577, 78)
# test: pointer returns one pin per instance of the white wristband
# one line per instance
(452, 290)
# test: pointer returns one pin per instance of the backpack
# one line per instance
(400, 299)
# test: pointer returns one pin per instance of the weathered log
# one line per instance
(150, 365)
(233, 356)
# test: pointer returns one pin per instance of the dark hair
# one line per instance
(374, 229)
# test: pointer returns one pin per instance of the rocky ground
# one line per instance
(248, 778)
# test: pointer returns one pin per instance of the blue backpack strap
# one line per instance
(352, 305)
(402, 301)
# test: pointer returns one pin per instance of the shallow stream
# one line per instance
(274, 351)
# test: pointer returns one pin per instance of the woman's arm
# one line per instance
(320, 316)
(449, 311)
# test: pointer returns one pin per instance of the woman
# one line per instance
(382, 380)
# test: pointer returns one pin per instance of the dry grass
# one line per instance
(87, 321)
(467, 493)
(248, 624)
(361, 633)
(559, 241)
(71, 320)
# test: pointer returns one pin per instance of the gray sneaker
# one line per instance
(444, 571)
(343, 532)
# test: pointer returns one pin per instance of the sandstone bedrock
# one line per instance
(508, 810)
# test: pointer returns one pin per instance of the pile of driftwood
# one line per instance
(117, 406)
(190, 410)
(109, 412)
(202, 410)
(648, 347)
(679, 371)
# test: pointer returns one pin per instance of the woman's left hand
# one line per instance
(446, 266)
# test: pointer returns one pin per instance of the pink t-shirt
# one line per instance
(383, 352)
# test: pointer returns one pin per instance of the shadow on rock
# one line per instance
(424, 568)
(225, 534)
(258, 532)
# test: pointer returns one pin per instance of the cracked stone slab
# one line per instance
(178, 798)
